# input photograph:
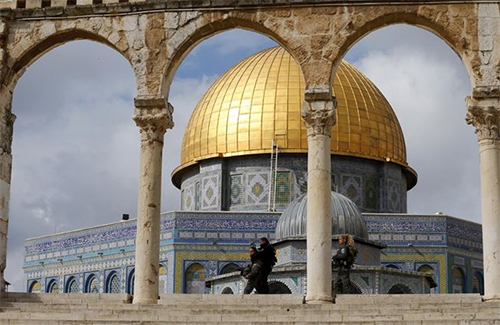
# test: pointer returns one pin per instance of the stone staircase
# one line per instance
(79, 309)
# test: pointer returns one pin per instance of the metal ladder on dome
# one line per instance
(273, 173)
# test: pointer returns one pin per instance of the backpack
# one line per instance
(351, 258)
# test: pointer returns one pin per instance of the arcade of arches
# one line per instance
(155, 37)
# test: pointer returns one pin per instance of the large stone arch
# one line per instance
(401, 288)
(455, 25)
(199, 26)
(23, 54)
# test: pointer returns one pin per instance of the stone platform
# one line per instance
(79, 309)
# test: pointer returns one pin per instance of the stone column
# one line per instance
(318, 113)
(484, 115)
(6, 131)
(153, 116)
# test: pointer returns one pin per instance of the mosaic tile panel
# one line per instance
(188, 199)
(371, 190)
(351, 187)
(197, 196)
(257, 189)
(211, 192)
(394, 195)
(236, 189)
(283, 187)
(114, 284)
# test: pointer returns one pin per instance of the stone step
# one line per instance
(235, 299)
(65, 298)
(26, 306)
(232, 318)
(425, 298)
(252, 309)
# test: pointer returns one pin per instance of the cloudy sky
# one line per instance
(76, 148)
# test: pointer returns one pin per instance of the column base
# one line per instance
(315, 300)
(137, 301)
(491, 298)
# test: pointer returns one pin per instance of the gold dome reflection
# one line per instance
(261, 97)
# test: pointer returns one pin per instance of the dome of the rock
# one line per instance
(227, 144)
(261, 98)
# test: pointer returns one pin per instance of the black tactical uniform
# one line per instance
(254, 273)
(342, 263)
(267, 254)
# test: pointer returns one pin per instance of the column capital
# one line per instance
(318, 113)
(153, 115)
(484, 115)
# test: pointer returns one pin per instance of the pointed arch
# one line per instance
(412, 18)
(194, 278)
(25, 58)
(52, 286)
(92, 285)
(182, 46)
(71, 285)
(113, 284)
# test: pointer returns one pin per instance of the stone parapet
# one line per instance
(34, 9)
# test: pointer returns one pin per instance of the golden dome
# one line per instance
(261, 98)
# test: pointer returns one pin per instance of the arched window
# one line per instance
(227, 291)
(400, 289)
(458, 281)
(278, 288)
(195, 279)
(426, 269)
(477, 283)
(113, 284)
(92, 285)
(72, 286)
(430, 271)
(162, 271)
(130, 282)
(228, 268)
(53, 287)
(34, 287)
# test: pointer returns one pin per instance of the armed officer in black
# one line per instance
(267, 254)
(342, 263)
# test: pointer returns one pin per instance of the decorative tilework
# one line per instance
(93, 286)
(257, 188)
(73, 286)
(231, 233)
(394, 195)
(351, 187)
(188, 199)
(114, 285)
(371, 190)
(236, 189)
(211, 192)
(197, 196)
(283, 187)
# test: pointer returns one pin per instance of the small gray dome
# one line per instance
(346, 218)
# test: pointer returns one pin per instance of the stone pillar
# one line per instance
(484, 115)
(153, 116)
(6, 131)
(318, 113)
